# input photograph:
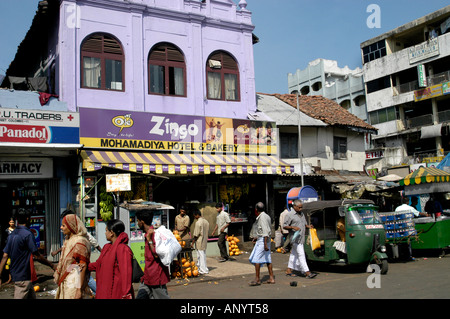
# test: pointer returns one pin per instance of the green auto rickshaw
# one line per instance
(350, 232)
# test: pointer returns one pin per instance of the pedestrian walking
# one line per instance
(261, 234)
(156, 274)
(286, 246)
(223, 220)
(71, 274)
(113, 268)
(295, 222)
(20, 248)
(94, 243)
(200, 240)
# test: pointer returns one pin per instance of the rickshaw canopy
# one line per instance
(312, 207)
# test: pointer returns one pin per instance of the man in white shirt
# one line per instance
(200, 239)
(410, 209)
(222, 222)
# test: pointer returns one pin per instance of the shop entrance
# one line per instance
(30, 195)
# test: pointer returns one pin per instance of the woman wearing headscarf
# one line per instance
(71, 274)
(114, 266)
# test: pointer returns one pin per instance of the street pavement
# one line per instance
(425, 278)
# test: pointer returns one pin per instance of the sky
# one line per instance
(292, 33)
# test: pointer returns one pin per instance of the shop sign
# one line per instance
(374, 154)
(446, 88)
(422, 76)
(116, 129)
(372, 172)
(428, 93)
(32, 126)
(21, 167)
(118, 182)
(423, 50)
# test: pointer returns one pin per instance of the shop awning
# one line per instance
(425, 175)
(191, 163)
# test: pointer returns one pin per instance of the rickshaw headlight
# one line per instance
(383, 249)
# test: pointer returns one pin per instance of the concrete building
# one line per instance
(326, 78)
(332, 139)
(406, 75)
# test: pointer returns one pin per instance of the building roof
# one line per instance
(325, 110)
(407, 27)
(282, 113)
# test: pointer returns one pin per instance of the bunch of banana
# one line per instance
(106, 204)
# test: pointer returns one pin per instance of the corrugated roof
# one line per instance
(283, 113)
(325, 110)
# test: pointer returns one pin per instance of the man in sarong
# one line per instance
(261, 234)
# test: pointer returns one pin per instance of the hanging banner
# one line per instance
(118, 183)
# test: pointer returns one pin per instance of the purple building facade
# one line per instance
(194, 32)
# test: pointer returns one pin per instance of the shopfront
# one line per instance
(38, 169)
(182, 160)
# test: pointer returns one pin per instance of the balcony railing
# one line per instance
(438, 78)
(414, 85)
(444, 116)
(406, 87)
(419, 121)
(427, 119)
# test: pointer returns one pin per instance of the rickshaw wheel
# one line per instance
(382, 264)
(384, 267)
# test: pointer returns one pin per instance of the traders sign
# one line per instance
(171, 132)
(23, 167)
(31, 126)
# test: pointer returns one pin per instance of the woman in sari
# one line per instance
(114, 266)
(71, 274)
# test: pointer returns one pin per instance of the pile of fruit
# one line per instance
(184, 269)
(178, 237)
(233, 246)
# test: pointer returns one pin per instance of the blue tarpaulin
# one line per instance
(445, 162)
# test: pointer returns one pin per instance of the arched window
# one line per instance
(166, 70)
(102, 63)
(222, 77)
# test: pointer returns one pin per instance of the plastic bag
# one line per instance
(166, 245)
(296, 237)
(315, 242)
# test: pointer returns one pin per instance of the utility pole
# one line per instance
(300, 156)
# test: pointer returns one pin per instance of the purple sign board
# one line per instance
(118, 129)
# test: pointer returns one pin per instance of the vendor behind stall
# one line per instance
(433, 207)
(182, 223)
(410, 209)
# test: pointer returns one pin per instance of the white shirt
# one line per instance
(408, 209)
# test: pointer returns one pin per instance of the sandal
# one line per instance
(311, 276)
(291, 275)
(254, 283)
